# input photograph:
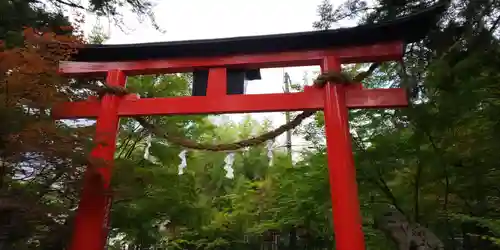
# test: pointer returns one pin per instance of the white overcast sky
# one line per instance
(202, 19)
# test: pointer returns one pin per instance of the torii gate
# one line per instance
(228, 62)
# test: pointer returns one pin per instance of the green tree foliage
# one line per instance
(50, 15)
(434, 163)
(18, 14)
(41, 161)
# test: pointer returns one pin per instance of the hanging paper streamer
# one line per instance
(270, 152)
(148, 146)
(229, 165)
(183, 164)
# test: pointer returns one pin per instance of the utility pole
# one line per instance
(287, 81)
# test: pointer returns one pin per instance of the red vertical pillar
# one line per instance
(216, 86)
(91, 221)
(343, 187)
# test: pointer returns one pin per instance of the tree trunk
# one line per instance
(406, 235)
(293, 239)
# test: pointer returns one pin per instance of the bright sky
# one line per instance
(201, 19)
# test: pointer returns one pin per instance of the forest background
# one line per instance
(433, 164)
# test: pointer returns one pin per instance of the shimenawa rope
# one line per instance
(320, 81)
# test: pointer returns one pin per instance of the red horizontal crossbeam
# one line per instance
(374, 53)
(311, 99)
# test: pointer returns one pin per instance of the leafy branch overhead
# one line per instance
(109, 8)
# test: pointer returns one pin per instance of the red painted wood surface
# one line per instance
(92, 217)
(374, 53)
(342, 172)
(312, 99)
(216, 86)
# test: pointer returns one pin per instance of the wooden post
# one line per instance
(92, 218)
(342, 172)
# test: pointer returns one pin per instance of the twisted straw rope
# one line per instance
(320, 81)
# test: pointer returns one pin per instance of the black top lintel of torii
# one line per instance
(408, 29)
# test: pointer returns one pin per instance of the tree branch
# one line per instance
(494, 25)
(387, 191)
(379, 181)
(417, 191)
(70, 4)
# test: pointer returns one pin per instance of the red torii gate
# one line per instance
(221, 58)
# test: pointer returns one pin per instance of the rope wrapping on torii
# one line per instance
(322, 79)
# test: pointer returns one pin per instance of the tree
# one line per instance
(41, 161)
(429, 161)
(52, 15)
(39, 157)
